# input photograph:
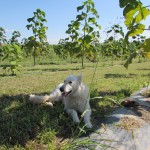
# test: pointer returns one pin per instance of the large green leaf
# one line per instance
(138, 30)
(92, 19)
(133, 4)
(123, 3)
(80, 8)
(130, 16)
(80, 17)
(76, 24)
(29, 26)
(30, 19)
(142, 14)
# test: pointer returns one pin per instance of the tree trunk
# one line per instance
(83, 58)
(112, 59)
(34, 56)
(71, 58)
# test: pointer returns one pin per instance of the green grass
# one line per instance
(27, 126)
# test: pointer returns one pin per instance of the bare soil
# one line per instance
(130, 122)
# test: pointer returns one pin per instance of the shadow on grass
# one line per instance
(49, 63)
(53, 69)
(22, 121)
(5, 75)
(5, 66)
(146, 75)
(124, 92)
(143, 69)
(56, 63)
(120, 75)
(109, 101)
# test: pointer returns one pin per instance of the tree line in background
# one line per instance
(83, 37)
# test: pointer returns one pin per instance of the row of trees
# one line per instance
(113, 46)
(83, 37)
(83, 40)
(13, 50)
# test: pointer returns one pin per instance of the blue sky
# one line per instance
(59, 13)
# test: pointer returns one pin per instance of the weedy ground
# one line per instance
(28, 126)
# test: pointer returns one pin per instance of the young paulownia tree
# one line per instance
(36, 24)
(13, 53)
(84, 30)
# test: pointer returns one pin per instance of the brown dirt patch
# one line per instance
(142, 112)
(146, 93)
(130, 122)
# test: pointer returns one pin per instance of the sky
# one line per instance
(59, 13)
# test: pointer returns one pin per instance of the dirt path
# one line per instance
(127, 128)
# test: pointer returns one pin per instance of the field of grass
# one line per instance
(27, 126)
